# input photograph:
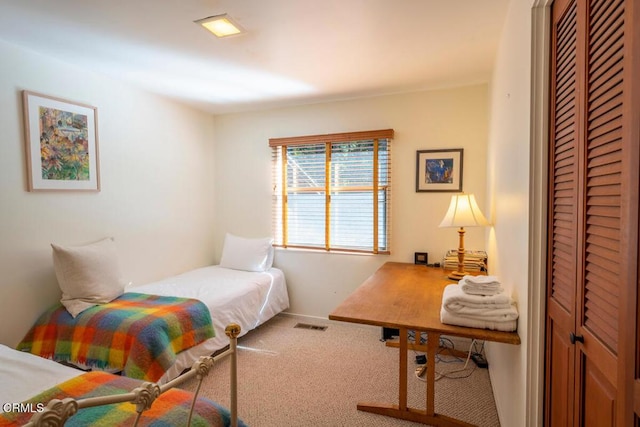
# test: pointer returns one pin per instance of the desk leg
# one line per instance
(404, 351)
(433, 342)
(401, 410)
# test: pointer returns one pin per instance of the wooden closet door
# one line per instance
(564, 199)
(602, 287)
(593, 216)
(610, 286)
(632, 98)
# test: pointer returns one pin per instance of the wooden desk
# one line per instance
(409, 297)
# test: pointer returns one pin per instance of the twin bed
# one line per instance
(38, 392)
(246, 298)
(231, 296)
(158, 330)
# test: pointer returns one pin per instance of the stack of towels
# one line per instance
(479, 302)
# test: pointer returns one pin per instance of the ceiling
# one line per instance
(294, 51)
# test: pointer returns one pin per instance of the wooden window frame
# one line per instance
(328, 140)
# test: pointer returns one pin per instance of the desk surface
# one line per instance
(400, 295)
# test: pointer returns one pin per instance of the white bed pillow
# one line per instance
(87, 275)
(240, 253)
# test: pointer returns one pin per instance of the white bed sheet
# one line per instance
(232, 296)
(24, 375)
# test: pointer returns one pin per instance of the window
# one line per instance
(333, 192)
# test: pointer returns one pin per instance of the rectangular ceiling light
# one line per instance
(220, 25)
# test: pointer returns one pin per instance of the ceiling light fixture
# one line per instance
(220, 25)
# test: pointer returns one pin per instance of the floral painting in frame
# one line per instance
(61, 140)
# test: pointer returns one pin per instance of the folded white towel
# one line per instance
(481, 280)
(475, 289)
(454, 297)
(497, 308)
(452, 319)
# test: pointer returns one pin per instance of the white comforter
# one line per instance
(23, 375)
(233, 296)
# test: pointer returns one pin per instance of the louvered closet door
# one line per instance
(564, 177)
(603, 273)
(608, 291)
(632, 99)
(593, 217)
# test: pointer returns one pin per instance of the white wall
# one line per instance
(508, 197)
(318, 282)
(156, 164)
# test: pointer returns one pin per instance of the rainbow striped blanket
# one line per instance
(170, 409)
(137, 334)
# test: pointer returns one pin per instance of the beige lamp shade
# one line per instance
(463, 212)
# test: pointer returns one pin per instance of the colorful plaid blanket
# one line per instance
(170, 409)
(137, 334)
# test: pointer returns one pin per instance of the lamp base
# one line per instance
(457, 275)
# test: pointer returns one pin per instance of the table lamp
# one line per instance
(463, 212)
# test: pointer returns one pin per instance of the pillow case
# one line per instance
(240, 253)
(87, 275)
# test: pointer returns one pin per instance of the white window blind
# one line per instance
(333, 192)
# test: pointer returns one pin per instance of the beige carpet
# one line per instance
(300, 377)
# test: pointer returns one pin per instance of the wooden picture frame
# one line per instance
(61, 140)
(439, 170)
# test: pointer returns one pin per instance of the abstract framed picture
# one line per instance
(61, 139)
(439, 170)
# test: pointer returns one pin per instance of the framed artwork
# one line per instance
(61, 140)
(439, 170)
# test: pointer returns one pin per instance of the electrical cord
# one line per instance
(419, 371)
(481, 351)
(449, 349)
(445, 344)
